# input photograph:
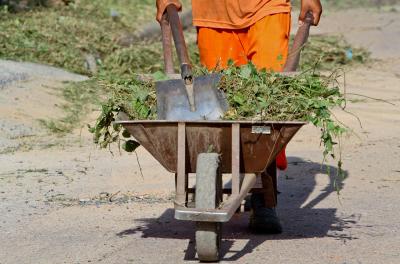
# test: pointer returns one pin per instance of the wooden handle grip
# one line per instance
(300, 39)
(179, 40)
(167, 44)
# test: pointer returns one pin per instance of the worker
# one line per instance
(243, 31)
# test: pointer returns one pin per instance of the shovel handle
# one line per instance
(167, 44)
(180, 45)
(299, 40)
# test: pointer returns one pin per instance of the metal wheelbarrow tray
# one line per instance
(210, 148)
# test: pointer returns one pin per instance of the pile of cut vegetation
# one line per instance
(251, 94)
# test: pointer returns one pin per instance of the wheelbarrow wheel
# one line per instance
(208, 196)
(208, 240)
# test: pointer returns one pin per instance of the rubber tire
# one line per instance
(208, 196)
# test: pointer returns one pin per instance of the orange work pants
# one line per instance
(265, 43)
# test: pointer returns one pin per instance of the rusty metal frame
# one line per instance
(222, 214)
(181, 175)
(228, 207)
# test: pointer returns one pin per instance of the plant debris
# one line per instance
(252, 95)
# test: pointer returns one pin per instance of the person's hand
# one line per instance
(313, 6)
(162, 5)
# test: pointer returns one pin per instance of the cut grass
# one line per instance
(331, 52)
(63, 36)
(60, 36)
(80, 100)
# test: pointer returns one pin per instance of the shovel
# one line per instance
(185, 97)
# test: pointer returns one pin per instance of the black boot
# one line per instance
(263, 219)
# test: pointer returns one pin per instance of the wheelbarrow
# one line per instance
(210, 148)
(243, 149)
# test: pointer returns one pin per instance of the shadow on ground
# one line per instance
(296, 210)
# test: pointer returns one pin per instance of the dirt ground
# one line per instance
(55, 192)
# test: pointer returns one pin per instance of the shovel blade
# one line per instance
(173, 102)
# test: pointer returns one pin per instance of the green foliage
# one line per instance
(134, 98)
(262, 95)
(130, 145)
(252, 95)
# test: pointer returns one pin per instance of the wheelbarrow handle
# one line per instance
(299, 40)
(180, 45)
(167, 44)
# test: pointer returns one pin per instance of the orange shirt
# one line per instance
(235, 14)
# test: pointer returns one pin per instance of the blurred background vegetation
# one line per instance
(73, 34)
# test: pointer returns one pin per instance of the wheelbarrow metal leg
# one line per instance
(223, 214)
(239, 191)
(235, 159)
(181, 176)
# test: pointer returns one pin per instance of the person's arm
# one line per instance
(313, 6)
(162, 5)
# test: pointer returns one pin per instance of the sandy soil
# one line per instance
(54, 190)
